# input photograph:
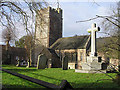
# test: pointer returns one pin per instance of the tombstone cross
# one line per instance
(93, 31)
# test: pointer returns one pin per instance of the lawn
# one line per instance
(55, 76)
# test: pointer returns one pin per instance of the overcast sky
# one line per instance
(77, 11)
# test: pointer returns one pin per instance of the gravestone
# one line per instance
(42, 61)
(49, 63)
(28, 63)
(18, 61)
(65, 62)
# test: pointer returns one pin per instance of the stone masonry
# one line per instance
(48, 26)
(48, 29)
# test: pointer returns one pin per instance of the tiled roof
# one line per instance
(76, 42)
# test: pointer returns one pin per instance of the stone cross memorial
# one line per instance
(92, 64)
(93, 31)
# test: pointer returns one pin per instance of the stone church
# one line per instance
(49, 40)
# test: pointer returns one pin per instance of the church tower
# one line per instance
(48, 27)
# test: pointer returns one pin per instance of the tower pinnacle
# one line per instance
(58, 6)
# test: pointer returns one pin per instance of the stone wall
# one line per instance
(20, 52)
(36, 51)
(3, 53)
(103, 57)
(55, 31)
(72, 56)
(81, 56)
(42, 27)
(48, 29)
(53, 59)
(115, 62)
(48, 26)
(71, 53)
(71, 65)
(75, 56)
(13, 52)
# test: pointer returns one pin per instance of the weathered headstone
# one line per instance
(18, 61)
(65, 62)
(28, 65)
(24, 62)
(42, 61)
(49, 63)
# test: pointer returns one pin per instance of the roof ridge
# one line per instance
(75, 36)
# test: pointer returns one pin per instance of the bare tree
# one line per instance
(8, 36)
(111, 25)
(29, 46)
(19, 11)
(24, 12)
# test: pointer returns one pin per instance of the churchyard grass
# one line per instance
(10, 81)
(55, 76)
